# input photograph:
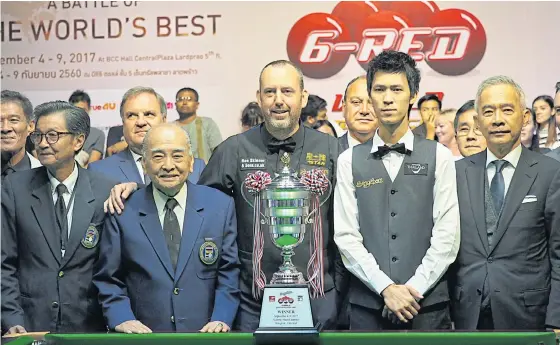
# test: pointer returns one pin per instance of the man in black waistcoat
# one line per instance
(396, 211)
(281, 96)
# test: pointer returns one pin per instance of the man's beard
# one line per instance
(185, 115)
(281, 129)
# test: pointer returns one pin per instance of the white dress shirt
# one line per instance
(509, 169)
(138, 162)
(351, 141)
(444, 244)
(70, 183)
(161, 199)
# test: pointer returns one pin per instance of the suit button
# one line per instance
(176, 291)
(61, 274)
(55, 304)
(393, 214)
(394, 236)
(393, 191)
(490, 259)
(172, 319)
(394, 259)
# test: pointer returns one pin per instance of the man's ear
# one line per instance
(413, 99)
(304, 98)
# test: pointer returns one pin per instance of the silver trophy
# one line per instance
(285, 213)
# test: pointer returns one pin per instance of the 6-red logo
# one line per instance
(452, 41)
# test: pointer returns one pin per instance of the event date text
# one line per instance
(84, 57)
(55, 74)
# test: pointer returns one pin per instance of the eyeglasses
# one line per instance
(184, 99)
(51, 136)
(463, 132)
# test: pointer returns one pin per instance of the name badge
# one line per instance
(415, 169)
(252, 163)
(369, 183)
(91, 238)
(319, 159)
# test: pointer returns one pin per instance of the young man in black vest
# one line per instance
(396, 211)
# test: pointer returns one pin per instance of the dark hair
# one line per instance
(391, 61)
(558, 87)
(321, 123)
(252, 115)
(429, 97)
(80, 96)
(279, 63)
(552, 135)
(469, 105)
(8, 96)
(350, 84)
(187, 89)
(535, 141)
(77, 119)
(314, 105)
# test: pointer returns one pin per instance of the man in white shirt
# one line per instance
(358, 114)
(169, 261)
(396, 212)
(507, 273)
(52, 218)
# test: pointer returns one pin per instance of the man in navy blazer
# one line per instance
(141, 108)
(169, 262)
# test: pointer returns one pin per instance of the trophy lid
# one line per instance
(287, 178)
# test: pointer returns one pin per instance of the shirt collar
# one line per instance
(407, 139)
(161, 199)
(512, 157)
(297, 136)
(135, 155)
(351, 141)
(70, 181)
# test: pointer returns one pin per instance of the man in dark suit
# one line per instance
(52, 218)
(169, 262)
(507, 273)
(358, 114)
(141, 108)
(429, 106)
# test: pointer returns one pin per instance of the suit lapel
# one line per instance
(82, 213)
(128, 167)
(522, 180)
(43, 209)
(476, 175)
(191, 227)
(149, 221)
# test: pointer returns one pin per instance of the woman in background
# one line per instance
(445, 132)
(324, 126)
(530, 135)
(543, 107)
(251, 116)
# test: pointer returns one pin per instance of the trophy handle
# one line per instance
(309, 219)
(245, 196)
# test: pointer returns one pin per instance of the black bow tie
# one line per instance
(287, 145)
(383, 150)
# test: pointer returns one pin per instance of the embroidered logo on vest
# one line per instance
(415, 169)
(369, 183)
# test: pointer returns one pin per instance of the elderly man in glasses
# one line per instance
(469, 138)
(52, 219)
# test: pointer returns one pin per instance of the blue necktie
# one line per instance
(497, 187)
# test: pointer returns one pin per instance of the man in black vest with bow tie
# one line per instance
(396, 211)
(281, 96)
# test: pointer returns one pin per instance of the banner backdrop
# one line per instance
(50, 49)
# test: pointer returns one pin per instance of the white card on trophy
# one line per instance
(286, 306)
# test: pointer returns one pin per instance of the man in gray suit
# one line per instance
(507, 273)
(556, 152)
(52, 219)
(358, 114)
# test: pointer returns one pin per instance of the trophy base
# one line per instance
(287, 277)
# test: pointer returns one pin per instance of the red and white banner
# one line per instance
(49, 49)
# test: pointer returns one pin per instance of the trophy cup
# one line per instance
(285, 207)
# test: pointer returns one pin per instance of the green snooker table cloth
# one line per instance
(326, 338)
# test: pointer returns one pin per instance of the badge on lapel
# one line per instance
(208, 252)
(91, 237)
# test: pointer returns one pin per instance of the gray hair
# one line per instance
(499, 80)
(137, 90)
(8, 96)
(77, 119)
(169, 125)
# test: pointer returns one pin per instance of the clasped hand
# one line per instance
(401, 303)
